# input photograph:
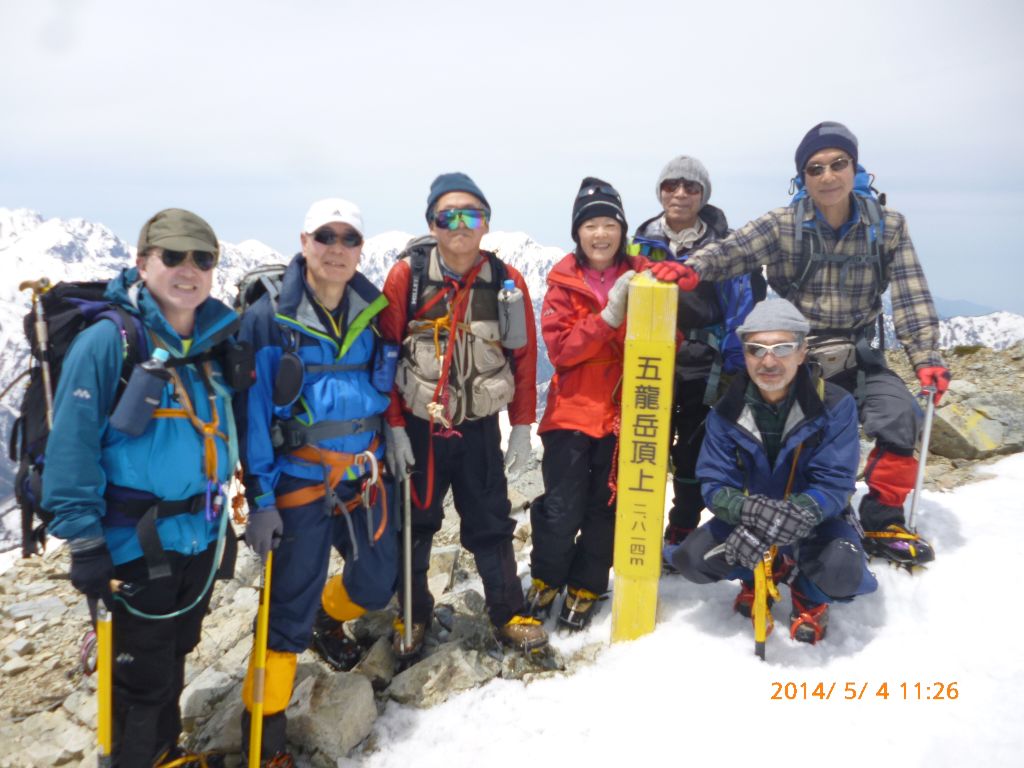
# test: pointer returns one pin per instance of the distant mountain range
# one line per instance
(32, 246)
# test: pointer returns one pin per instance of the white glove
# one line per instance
(519, 451)
(614, 311)
(398, 451)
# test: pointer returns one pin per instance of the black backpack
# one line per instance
(64, 310)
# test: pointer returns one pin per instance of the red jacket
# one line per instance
(585, 351)
(393, 321)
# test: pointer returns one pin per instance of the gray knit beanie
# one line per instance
(774, 315)
(689, 168)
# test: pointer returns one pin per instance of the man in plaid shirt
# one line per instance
(833, 259)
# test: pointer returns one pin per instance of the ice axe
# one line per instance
(926, 436)
(38, 288)
(259, 675)
(104, 685)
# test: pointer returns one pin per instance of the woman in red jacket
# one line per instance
(583, 323)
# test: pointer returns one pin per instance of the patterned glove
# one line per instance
(614, 311)
(264, 530)
(935, 376)
(777, 521)
(674, 272)
(519, 451)
(91, 567)
(398, 451)
(743, 547)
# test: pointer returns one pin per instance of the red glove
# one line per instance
(674, 272)
(935, 376)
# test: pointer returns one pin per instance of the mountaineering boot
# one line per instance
(419, 634)
(523, 633)
(332, 644)
(578, 609)
(808, 622)
(675, 535)
(540, 598)
(273, 751)
(782, 571)
(898, 545)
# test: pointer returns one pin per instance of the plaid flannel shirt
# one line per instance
(770, 240)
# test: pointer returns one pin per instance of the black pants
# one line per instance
(149, 655)
(573, 526)
(688, 414)
(473, 467)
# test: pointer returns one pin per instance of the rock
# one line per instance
(81, 707)
(443, 562)
(473, 632)
(21, 646)
(450, 670)
(371, 626)
(961, 432)
(378, 666)
(38, 610)
(466, 601)
(222, 731)
(15, 666)
(332, 715)
(201, 695)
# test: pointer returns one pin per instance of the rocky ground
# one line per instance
(47, 703)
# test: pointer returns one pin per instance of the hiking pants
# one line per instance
(573, 525)
(889, 413)
(149, 655)
(472, 465)
(831, 564)
(688, 413)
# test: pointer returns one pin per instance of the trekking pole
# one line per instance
(38, 288)
(104, 684)
(260, 666)
(407, 562)
(926, 436)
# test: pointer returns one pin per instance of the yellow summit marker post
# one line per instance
(643, 454)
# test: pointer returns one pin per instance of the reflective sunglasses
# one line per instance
(473, 218)
(204, 260)
(669, 186)
(602, 189)
(326, 236)
(837, 165)
(782, 349)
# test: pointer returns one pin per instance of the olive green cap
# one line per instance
(176, 229)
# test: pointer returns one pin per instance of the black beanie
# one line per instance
(827, 135)
(597, 198)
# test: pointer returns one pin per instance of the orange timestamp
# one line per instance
(851, 690)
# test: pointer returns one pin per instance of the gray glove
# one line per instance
(614, 311)
(398, 451)
(519, 451)
(778, 521)
(264, 530)
(744, 547)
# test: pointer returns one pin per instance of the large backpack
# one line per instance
(59, 313)
(810, 245)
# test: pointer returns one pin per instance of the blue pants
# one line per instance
(831, 564)
(301, 560)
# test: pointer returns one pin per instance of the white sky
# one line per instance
(248, 111)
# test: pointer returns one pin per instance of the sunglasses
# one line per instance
(783, 349)
(473, 218)
(204, 260)
(351, 238)
(670, 186)
(837, 165)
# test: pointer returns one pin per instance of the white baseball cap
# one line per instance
(333, 209)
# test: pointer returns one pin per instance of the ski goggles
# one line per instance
(671, 186)
(782, 349)
(327, 236)
(473, 218)
(204, 260)
(836, 166)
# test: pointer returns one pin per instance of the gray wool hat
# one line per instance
(774, 315)
(689, 168)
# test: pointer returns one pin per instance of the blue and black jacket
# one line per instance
(92, 469)
(336, 385)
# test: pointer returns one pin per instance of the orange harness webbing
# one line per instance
(209, 431)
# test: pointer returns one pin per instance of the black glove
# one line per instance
(91, 567)
(778, 521)
(264, 530)
(744, 547)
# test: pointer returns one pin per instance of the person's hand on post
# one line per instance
(614, 311)
(674, 272)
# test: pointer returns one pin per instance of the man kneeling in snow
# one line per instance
(777, 469)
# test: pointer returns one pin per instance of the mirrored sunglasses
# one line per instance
(669, 186)
(837, 165)
(598, 189)
(473, 218)
(327, 236)
(204, 260)
(783, 349)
